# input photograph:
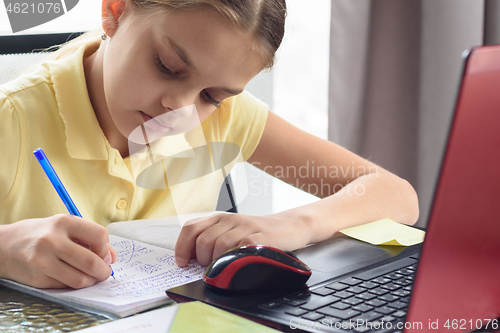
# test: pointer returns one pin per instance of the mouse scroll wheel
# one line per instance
(291, 254)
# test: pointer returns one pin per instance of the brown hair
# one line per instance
(264, 19)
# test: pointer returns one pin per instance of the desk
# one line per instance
(23, 313)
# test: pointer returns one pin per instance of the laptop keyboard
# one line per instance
(371, 301)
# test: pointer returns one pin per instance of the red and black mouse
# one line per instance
(256, 268)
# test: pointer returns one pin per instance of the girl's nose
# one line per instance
(181, 104)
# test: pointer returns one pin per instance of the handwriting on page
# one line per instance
(141, 271)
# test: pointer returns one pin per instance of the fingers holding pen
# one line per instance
(44, 252)
(85, 261)
(87, 233)
(114, 255)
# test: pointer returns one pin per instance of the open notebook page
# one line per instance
(162, 231)
(143, 272)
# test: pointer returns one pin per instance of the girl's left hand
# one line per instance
(207, 238)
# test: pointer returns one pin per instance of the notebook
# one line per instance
(144, 269)
(450, 284)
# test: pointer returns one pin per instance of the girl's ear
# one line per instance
(111, 12)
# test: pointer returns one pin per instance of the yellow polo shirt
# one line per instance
(50, 108)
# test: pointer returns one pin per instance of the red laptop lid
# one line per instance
(457, 287)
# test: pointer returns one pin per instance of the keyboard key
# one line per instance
(385, 310)
(351, 281)
(390, 286)
(401, 293)
(271, 305)
(379, 291)
(388, 319)
(316, 302)
(301, 294)
(343, 294)
(356, 290)
(290, 301)
(352, 301)
(375, 302)
(322, 291)
(366, 296)
(346, 325)
(399, 314)
(369, 285)
(381, 280)
(363, 307)
(284, 299)
(403, 282)
(329, 321)
(388, 298)
(393, 276)
(313, 316)
(368, 316)
(398, 305)
(296, 312)
(385, 269)
(340, 305)
(405, 299)
(362, 329)
(337, 286)
(342, 314)
(405, 271)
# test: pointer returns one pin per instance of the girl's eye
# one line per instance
(206, 95)
(164, 69)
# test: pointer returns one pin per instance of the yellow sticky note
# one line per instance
(194, 317)
(386, 232)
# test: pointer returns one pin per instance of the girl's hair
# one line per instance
(264, 19)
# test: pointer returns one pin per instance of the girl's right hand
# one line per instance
(53, 253)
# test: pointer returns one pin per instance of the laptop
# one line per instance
(450, 283)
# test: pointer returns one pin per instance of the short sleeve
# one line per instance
(10, 145)
(242, 120)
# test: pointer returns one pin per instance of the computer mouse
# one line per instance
(256, 268)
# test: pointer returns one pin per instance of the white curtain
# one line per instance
(394, 73)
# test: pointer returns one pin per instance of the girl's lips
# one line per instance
(153, 124)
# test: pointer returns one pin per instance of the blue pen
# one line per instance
(58, 185)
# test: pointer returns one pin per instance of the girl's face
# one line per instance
(160, 65)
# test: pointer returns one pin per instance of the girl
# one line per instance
(159, 65)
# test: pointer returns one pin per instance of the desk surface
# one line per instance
(24, 313)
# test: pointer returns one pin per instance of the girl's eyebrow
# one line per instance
(185, 59)
(182, 54)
